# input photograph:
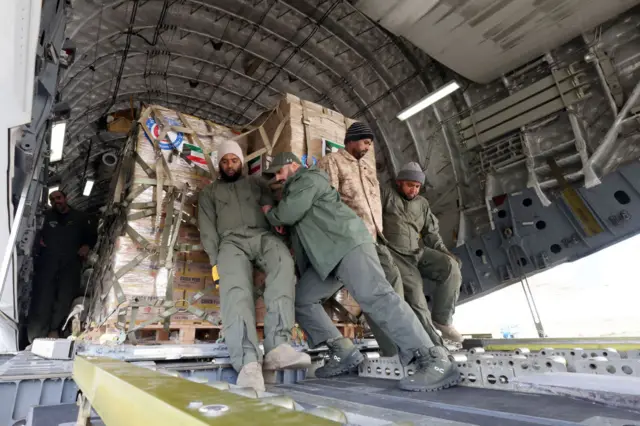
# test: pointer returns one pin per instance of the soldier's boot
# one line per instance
(449, 332)
(284, 356)
(250, 376)
(344, 356)
(435, 369)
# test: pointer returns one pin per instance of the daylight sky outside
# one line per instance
(598, 295)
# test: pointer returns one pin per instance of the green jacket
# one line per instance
(232, 210)
(406, 222)
(324, 228)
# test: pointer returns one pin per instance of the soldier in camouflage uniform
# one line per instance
(356, 181)
(412, 236)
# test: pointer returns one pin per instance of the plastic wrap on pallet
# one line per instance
(191, 271)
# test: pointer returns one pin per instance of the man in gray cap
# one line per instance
(333, 248)
(236, 236)
(408, 221)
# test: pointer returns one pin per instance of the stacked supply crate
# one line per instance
(160, 272)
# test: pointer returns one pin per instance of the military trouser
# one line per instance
(387, 347)
(235, 266)
(414, 296)
(443, 274)
(361, 274)
(56, 283)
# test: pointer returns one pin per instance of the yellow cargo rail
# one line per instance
(126, 395)
(617, 343)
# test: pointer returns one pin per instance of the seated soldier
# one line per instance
(408, 222)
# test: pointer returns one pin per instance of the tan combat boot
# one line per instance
(284, 356)
(251, 377)
(449, 332)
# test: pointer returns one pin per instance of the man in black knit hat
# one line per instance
(352, 173)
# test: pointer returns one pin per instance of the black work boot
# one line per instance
(434, 369)
(343, 357)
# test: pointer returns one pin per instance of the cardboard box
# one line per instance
(181, 282)
(309, 130)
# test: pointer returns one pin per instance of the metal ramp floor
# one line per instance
(380, 399)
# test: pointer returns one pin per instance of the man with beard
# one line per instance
(357, 183)
(66, 239)
(237, 237)
(333, 248)
(412, 235)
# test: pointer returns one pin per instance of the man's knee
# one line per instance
(438, 267)
(280, 261)
(455, 275)
(374, 293)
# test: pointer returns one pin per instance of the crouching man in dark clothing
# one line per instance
(67, 236)
(333, 248)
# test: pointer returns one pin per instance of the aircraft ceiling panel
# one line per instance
(483, 39)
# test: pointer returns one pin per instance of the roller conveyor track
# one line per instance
(380, 398)
(559, 387)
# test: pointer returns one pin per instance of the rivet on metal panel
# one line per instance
(329, 414)
(213, 410)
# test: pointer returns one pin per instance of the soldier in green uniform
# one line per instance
(236, 236)
(412, 235)
(66, 239)
(333, 248)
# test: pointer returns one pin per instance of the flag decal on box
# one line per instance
(194, 153)
(172, 140)
(255, 165)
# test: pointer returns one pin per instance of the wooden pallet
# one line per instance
(190, 331)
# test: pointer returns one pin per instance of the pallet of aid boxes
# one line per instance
(310, 131)
(159, 264)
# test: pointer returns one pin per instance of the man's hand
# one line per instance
(84, 251)
(280, 230)
(42, 244)
(265, 209)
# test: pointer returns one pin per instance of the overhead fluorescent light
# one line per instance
(51, 189)
(57, 141)
(88, 186)
(429, 100)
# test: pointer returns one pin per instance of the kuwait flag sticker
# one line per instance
(255, 165)
(194, 153)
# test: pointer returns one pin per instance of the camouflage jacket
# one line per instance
(357, 183)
